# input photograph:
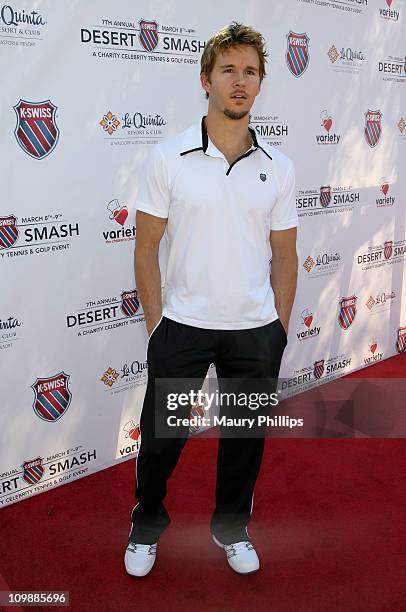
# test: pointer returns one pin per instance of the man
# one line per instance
(227, 202)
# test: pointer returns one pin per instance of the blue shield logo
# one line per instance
(36, 130)
(8, 231)
(297, 53)
(130, 303)
(148, 34)
(52, 397)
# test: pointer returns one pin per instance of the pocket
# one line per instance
(153, 333)
(283, 331)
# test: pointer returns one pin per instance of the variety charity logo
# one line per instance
(384, 199)
(297, 53)
(36, 131)
(373, 353)
(328, 137)
(310, 330)
(389, 13)
(132, 438)
(118, 215)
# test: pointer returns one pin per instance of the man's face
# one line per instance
(234, 82)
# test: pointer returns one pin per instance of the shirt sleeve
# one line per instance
(154, 194)
(284, 213)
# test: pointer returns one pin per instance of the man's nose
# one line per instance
(239, 77)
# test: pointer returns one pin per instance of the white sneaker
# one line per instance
(139, 558)
(241, 556)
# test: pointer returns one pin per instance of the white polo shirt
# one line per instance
(219, 222)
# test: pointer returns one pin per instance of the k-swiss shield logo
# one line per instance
(401, 342)
(373, 127)
(262, 176)
(196, 412)
(297, 53)
(148, 34)
(318, 369)
(33, 470)
(387, 249)
(52, 396)
(325, 196)
(348, 310)
(36, 130)
(8, 231)
(130, 303)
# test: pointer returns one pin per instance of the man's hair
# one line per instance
(231, 36)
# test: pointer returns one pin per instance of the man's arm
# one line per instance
(284, 272)
(150, 230)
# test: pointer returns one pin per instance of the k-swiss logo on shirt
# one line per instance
(262, 177)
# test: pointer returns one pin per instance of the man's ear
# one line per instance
(205, 82)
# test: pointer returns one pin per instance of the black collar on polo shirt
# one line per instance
(205, 143)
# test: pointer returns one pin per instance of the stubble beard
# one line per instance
(235, 115)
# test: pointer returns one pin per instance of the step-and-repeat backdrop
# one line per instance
(87, 89)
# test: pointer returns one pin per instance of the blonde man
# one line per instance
(226, 200)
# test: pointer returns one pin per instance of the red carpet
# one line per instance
(328, 524)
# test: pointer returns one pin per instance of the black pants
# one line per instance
(177, 351)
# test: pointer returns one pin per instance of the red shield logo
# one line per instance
(325, 196)
(130, 303)
(197, 411)
(348, 310)
(373, 127)
(297, 53)
(387, 249)
(52, 396)
(8, 231)
(36, 130)
(401, 342)
(33, 470)
(148, 34)
(318, 369)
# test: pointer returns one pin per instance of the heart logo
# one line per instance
(134, 433)
(308, 320)
(389, 2)
(385, 188)
(327, 123)
(121, 214)
(373, 347)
